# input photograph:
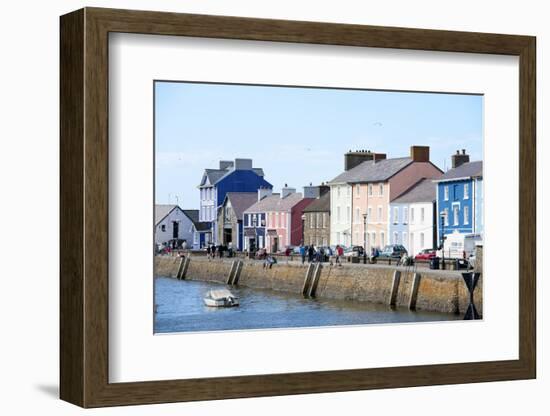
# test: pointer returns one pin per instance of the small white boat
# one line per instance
(221, 298)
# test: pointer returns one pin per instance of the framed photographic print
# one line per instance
(255, 207)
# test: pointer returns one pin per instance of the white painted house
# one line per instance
(173, 223)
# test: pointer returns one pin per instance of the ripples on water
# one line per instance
(180, 308)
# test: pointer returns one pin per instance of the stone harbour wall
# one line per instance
(436, 290)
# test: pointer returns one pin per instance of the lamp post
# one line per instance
(442, 244)
(365, 237)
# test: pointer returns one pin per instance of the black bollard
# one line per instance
(471, 280)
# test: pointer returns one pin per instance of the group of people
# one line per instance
(320, 254)
(212, 251)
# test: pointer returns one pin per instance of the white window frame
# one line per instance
(411, 215)
(357, 190)
(379, 213)
(370, 189)
(446, 217)
(405, 215)
(466, 190)
(381, 189)
(456, 215)
(396, 215)
(422, 215)
(395, 237)
(466, 212)
(422, 241)
(446, 192)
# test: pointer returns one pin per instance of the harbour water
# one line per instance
(180, 308)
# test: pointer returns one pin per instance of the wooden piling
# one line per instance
(414, 291)
(180, 268)
(315, 280)
(394, 287)
(307, 279)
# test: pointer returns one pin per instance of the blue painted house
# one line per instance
(460, 204)
(237, 176)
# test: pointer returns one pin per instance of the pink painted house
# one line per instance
(375, 182)
(283, 218)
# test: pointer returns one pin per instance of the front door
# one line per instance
(275, 246)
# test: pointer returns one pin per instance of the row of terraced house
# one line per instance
(375, 201)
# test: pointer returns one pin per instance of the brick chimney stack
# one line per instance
(420, 153)
(459, 158)
(354, 158)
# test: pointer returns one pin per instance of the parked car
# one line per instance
(426, 254)
(355, 251)
(394, 251)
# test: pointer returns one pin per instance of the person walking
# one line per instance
(303, 253)
(213, 251)
(310, 253)
(339, 253)
(208, 251)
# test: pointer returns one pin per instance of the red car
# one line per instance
(426, 254)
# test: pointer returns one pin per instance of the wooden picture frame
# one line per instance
(84, 207)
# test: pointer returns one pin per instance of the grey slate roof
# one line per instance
(371, 171)
(241, 201)
(161, 211)
(193, 215)
(466, 170)
(422, 191)
(274, 202)
(319, 205)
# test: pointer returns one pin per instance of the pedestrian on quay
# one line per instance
(213, 251)
(339, 253)
(208, 251)
(303, 253)
(310, 253)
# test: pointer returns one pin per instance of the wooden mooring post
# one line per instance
(414, 291)
(394, 288)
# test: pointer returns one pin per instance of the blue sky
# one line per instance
(299, 135)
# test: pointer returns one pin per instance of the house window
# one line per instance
(422, 215)
(311, 218)
(369, 216)
(379, 213)
(325, 219)
(348, 214)
(318, 223)
(395, 237)
(455, 215)
(163, 228)
(382, 238)
(357, 215)
(455, 192)
(348, 190)
(412, 215)
(338, 191)
(357, 190)
(466, 215)
(405, 215)
(370, 189)
(466, 191)
(421, 241)
(381, 190)
(373, 239)
(395, 215)
(338, 215)
(405, 241)
(446, 217)
(446, 193)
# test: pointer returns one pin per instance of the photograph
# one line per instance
(284, 206)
